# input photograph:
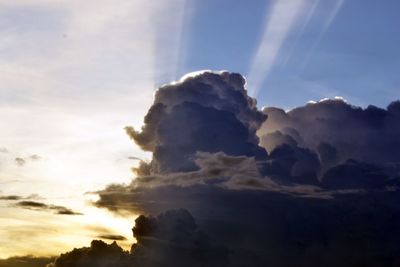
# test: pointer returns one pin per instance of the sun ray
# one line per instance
(279, 23)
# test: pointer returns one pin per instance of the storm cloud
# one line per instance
(363, 141)
(368, 134)
(207, 112)
(316, 188)
(99, 254)
(274, 228)
(169, 239)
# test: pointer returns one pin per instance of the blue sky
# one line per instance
(356, 55)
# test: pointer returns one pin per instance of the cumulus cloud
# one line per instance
(170, 239)
(309, 201)
(99, 254)
(208, 112)
(362, 134)
(353, 174)
(293, 164)
(173, 239)
(338, 132)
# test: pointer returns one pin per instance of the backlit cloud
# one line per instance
(291, 201)
(189, 104)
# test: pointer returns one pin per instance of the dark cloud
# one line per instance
(353, 174)
(34, 205)
(210, 112)
(272, 140)
(105, 233)
(112, 237)
(217, 168)
(293, 164)
(99, 254)
(26, 261)
(274, 228)
(64, 211)
(327, 154)
(170, 239)
(173, 239)
(327, 194)
(11, 197)
(22, 161)
(337, 132)
(16, 197)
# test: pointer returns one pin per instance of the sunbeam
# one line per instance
(331, 17)
(170, 41)
(279, 21)
(310, 14)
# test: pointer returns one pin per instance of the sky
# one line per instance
(73, 74)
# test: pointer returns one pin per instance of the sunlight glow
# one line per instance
(68, 103)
